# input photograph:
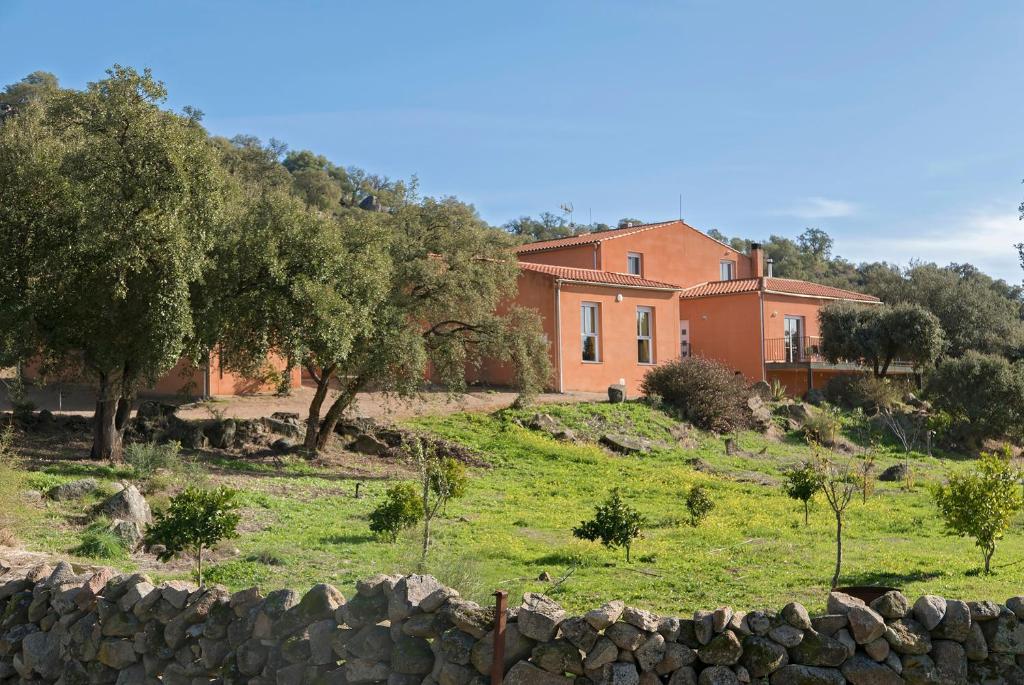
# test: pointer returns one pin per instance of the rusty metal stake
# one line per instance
(500, 614)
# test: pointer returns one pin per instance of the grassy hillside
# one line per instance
(303, 524)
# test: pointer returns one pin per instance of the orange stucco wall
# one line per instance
(726, 328)
(673, 253)
(536, 291)
(617, 341)
(778, 307)
(577, 257)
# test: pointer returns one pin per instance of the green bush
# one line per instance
(982, 503)
(822, 426)
(195, 519)
(402, 508)
(802, 483)
(702, 391)
(984, 394)
(864, 391)
(146, 458)
(615, 524)
(699, 504)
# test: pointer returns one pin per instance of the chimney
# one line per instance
(757, 259)
(771, 264)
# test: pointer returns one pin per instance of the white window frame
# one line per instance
(630, 256)
(585, 309)
(648, 339)
(724, 266)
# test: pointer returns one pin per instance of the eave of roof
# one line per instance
(777, 286)
(601, 236)
(595, 277)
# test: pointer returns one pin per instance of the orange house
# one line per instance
(617, 302)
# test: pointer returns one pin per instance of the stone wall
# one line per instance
(100, 627)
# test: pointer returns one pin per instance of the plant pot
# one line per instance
(865, 593)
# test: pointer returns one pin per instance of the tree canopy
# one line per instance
(108, 203)
(879, 335)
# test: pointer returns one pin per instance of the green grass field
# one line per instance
(303, 525)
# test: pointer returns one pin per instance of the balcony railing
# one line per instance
(793, 350)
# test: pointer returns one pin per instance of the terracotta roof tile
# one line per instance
(785, 286)
(587, 238)
(598, 277)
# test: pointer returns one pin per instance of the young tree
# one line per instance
(615, 524)
(699, 504)
(982, 503)
(880, 334)
(195, 520)
(838, 484)
(803, 482)
(442, 479)
(107, 205)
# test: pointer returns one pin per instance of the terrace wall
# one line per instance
(60, 627)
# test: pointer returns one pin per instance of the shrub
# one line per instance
(699, 504)
(822, 426)
(702, 391)
(146, 458)
(402, 508)
(615, 524)
(863, 391)
(982, 503)
(984, 394)
(802, 483)
(8, 457)
(777, 391)
(194, 520)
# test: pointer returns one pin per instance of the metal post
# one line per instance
(500, 614)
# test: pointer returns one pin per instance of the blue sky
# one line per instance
(895, 126)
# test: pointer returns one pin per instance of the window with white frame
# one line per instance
(727, 270)
(589, 326)
(635, 263)
(644, 335)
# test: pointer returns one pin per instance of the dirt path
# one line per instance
(77, 399)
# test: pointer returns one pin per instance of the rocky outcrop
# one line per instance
(61, 626)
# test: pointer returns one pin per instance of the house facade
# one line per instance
(618, 302)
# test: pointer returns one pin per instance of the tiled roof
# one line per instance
(613, 278)
(785, 286)
(587, 238)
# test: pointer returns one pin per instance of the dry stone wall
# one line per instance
(57, 626)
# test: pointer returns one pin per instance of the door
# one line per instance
(684, 338)
(793, 338)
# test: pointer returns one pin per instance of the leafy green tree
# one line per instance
(402, 508)
(442, 480)
(838, 484)
(623, 223)
(107, 207)
(982, 503)
(615, 524)
(36, 86)
(880, 334)
(548, 227)
(802, 483)
(195, 520)
(984, 393)
(699, 504)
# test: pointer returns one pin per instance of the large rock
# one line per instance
(860, 670)
(907, 636)
(129, 505)
(723, 650)
(866, 624)
(841, 603)
(558, 656)
(517, 648)
(819, 650)
(539, 617)
(616, 393)
(605, 615)
(128, 532)
(525, 673)
(796, 615)
(718, 675)
(795, 674)
(919, 669)
(950, 661)
(956, 623)
(897, 473)
(73, 490)
(1004, 635)
(929, 610)
(625, 444)
(892, 605)
(762, 657)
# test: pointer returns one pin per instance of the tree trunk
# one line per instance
(805, 512)
(426, 517)
(627, 554)
(323, 381)
(988, 559)
(839, 550)
(109, 422)
(338, 407)
(199, 560)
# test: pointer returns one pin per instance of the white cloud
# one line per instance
(820, 208)
(983, 238)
